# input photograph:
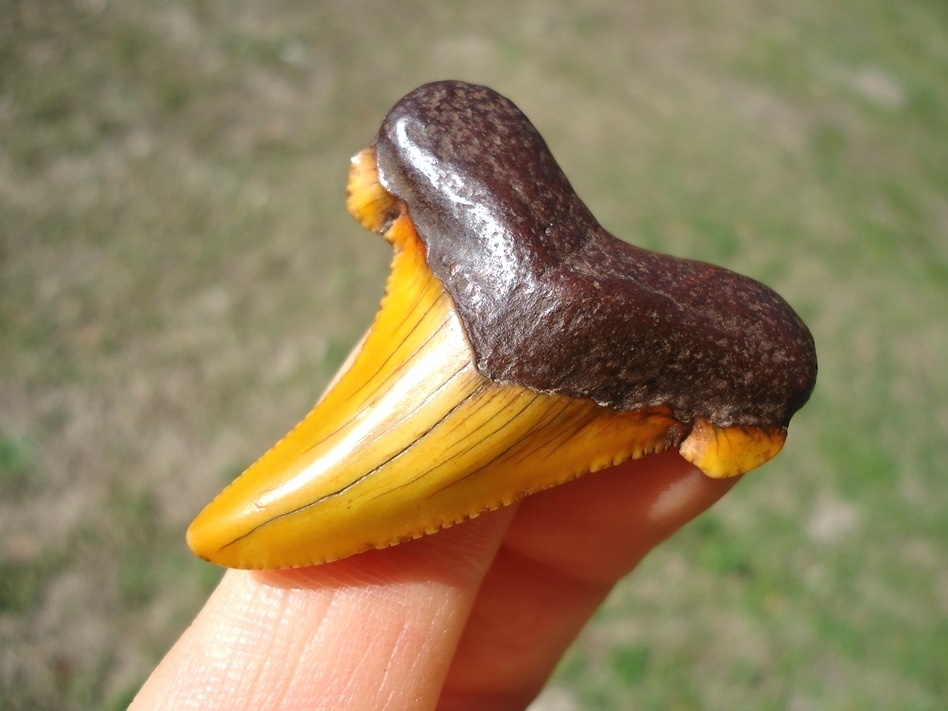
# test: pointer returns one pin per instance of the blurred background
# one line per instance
(179, 278)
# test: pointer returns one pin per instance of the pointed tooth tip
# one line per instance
(216, 536)
(198, 543)
(203, 535)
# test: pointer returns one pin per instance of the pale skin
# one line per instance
(474, 617)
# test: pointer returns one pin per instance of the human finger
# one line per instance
(562, 554)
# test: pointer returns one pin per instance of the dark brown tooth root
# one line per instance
(552, 301)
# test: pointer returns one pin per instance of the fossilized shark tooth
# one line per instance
(519, 345)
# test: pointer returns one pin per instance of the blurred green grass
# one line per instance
(178, 279)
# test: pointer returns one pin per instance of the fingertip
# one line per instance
(685, 494)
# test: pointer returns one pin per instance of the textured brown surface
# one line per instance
(552, 301)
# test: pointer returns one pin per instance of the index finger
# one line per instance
(374, 631)
(561, 556)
